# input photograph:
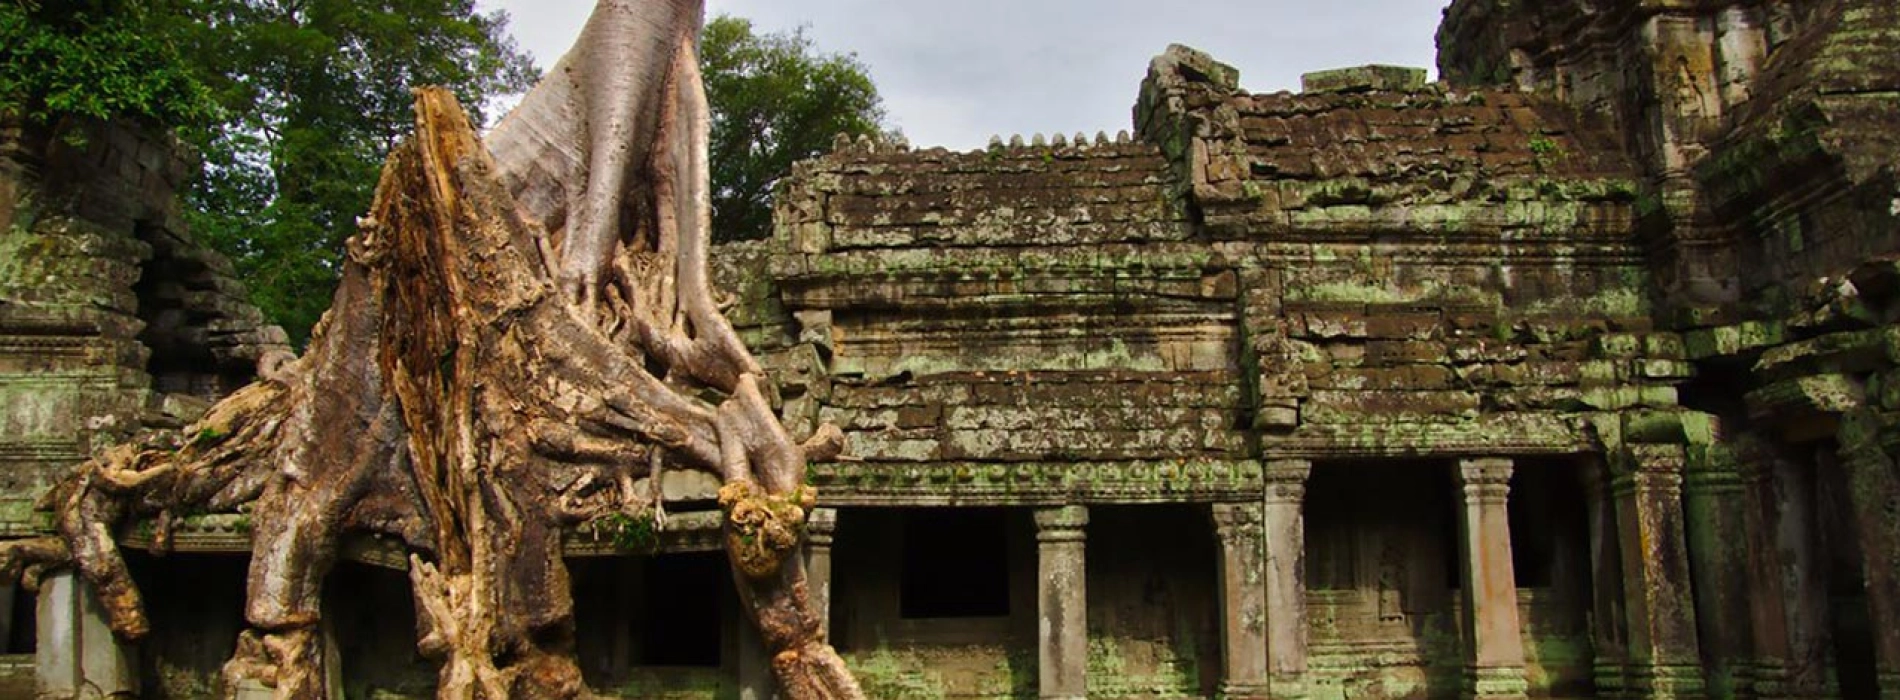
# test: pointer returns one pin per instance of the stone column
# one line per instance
(1767, 605)
(1608, 624)
(56, 647)
(1874, 485)
(1804, 571)
(1494, 648)
(1665, 661)
(1714, 515)
(1285, 533)
(1740, 47)
(1243, 600)
(1062, 597)
(754, 665)
(819, 528)
(76, 651)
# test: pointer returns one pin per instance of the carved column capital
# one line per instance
(820, 526)
(1286, 480)
(1239, 524)
(1062, 524)
(1486, 479)
(1651, 468)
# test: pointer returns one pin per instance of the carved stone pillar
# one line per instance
(1494, 650)
(1678, 54)
(56, 647)
(1609, 631)
(1767, 605)
(1285, 533)
(1713, 505)
(819, 528)
(1243, 600)
(76, 653)
(1741, 44)
(1804, 570)
(1665, 661)
(1874, 485)
(754, 662)
(1062, 595)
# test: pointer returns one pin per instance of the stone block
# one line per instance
(1364, 79)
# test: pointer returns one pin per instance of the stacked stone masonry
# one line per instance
(113, 320)
(1573, 375)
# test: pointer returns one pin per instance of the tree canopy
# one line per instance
(94, 59)
(292, 105)
(776, 99)
(315, 94)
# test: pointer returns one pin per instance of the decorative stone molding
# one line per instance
(1034, 483)
(1486, 480)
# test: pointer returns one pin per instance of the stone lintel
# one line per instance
(1368, 78)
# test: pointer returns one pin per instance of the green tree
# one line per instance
(292, 104)
(96, 59)
(776, 99)
(317, 92)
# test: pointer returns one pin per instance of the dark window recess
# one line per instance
(682, 621)
(956, 564)
(21, 632)
(1549, 524)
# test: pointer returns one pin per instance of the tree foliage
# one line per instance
(776, 99)
(95, 59)
(317, 92)
(292, 104)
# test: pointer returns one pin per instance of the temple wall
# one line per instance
(1571, 376)
(111, 316)
(112, 320)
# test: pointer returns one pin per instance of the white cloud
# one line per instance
(953, 73)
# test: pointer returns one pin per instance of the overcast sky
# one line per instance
(953, 72)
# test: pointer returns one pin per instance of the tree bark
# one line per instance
(508, 351)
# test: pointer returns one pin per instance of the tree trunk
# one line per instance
(495, 371)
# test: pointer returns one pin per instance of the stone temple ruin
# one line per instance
(1571, 376)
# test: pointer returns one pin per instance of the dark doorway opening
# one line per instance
(955, 564)
(681, 623)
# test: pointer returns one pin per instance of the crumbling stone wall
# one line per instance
(111, 316)
(1768, 132)
(1645, 250)
(112, 319)
(1373, 268)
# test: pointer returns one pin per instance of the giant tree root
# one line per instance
(456, 398)
(515, 340)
